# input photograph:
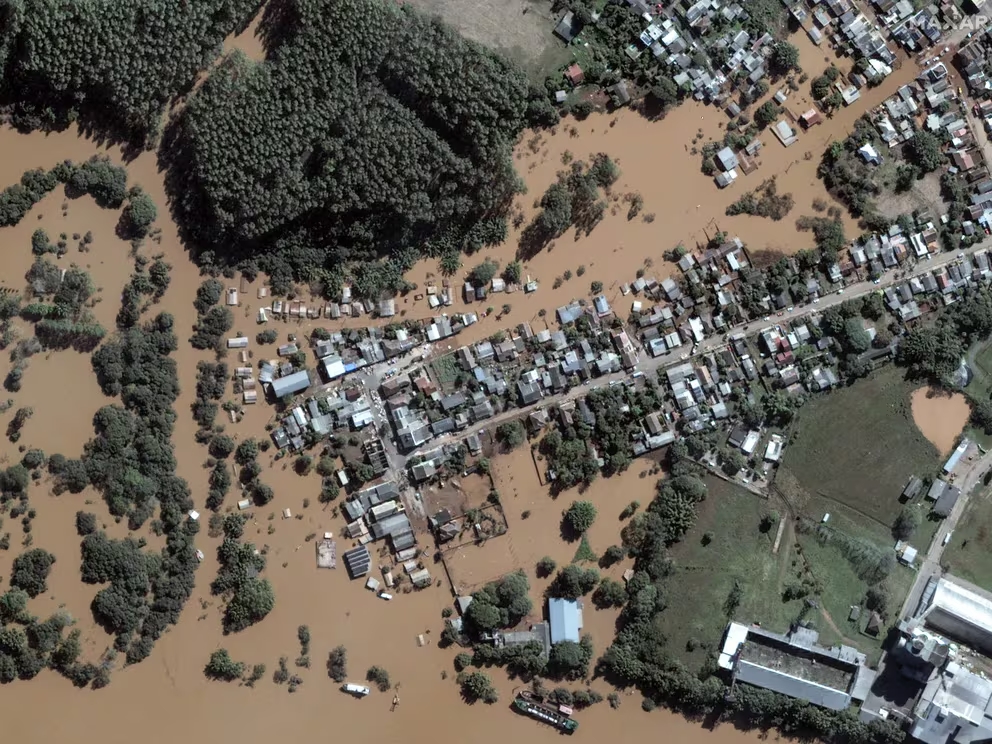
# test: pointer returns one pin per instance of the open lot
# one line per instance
(842, 585)
(858, 446)
(521, 29)
(969, 554)
(727, 544)
(706, 569)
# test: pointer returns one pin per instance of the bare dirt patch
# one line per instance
(925, 194)
(520, 28)
(940, 416)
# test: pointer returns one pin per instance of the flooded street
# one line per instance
(167, 697)
(940, 416)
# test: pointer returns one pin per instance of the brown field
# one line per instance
(521, 29)
(940, 416)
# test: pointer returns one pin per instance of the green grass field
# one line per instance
(705, 573)
(858, 446)
(969, 554)
(445, 370)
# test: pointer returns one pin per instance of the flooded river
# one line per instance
(166, 697)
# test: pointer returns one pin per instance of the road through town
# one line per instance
(650, 366)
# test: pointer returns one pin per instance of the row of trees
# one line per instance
(213, 320)
(131, 462)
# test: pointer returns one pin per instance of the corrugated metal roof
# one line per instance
(771, 679)
(564, 616)
(357, 561)
(290, 384)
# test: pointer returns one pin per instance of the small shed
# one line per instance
(421, 577)
(232, 296)
(244, 504)
(241, 342)
(575, 74)
(908, 555)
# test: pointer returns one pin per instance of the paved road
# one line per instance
(931, 562)
(650, 366)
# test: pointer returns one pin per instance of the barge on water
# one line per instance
(558, 716)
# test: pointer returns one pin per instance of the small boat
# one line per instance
(558, 716)
(356, 690)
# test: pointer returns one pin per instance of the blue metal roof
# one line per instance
(564, 616)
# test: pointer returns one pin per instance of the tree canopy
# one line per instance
(369, 129)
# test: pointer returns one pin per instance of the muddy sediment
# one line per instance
(167, 696)
(941, 416)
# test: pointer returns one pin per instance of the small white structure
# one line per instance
(232, 296)
(241, 342)
(287, 514)
(342, 478)
(356, 690)
(194, 515)
(372, 583)
(908, 555)
(244, 504)
(263, 315)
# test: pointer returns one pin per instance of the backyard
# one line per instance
(858, 446)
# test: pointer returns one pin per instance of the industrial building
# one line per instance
(958, 613)
(796, 665)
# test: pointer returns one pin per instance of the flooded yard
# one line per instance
(167, 696)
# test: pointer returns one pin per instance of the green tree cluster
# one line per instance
(112, 64)
(501, 604)
(407, 145)
(131, 462)
(250, 598)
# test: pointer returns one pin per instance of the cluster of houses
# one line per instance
(973, 60)
(377, 513)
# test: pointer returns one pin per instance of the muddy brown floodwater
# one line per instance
(167, 697)
(940, 416)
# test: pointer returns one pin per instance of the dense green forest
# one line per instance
(112, 64)
(371, 130)
(370, 136)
